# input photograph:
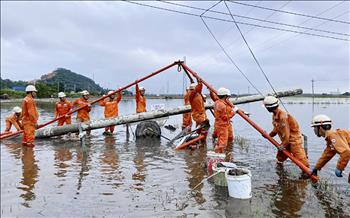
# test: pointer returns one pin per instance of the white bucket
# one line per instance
(239, 186)
(219, 170)
(213, 158)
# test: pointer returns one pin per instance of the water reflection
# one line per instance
(15, 150)
(332, 206)
(110, 162)
(29, 175)
(289, 194)
(195, 161)
(83, 153)
(62, 156)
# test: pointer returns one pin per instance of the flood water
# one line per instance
(112, 177)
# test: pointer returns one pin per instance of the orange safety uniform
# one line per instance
(222, 127)
(13, 120)
(140, 101)
(288, 130)
(62, 108)
(197, 104)
(83, 114)
(214, 97)
(186, 119)
(111, 109)
(30, 117)
(338, 142)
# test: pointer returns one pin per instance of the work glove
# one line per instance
(338, 172)
(314, 171)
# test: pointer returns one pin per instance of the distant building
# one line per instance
(18, 88)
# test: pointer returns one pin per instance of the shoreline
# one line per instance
(299, 97)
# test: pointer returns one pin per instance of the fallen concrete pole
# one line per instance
(132, 118)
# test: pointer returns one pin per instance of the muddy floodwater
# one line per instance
(113, 177)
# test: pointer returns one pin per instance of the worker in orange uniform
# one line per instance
(63, 106)
(186, 117)
(111, 109)
(222, 128)
(14, 119)
(337, 142)
(83, 114)
(198, 109)
(140, 99)
(30, 116)
(288, 131)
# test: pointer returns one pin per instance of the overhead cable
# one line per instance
(252, 53)
(290, 12)
(256, 19)
(243, 23)
(229, 57)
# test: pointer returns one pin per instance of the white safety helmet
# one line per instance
(270, 101)
(85, 92)
(141, 88)
(110, 92)
(31, 88)
(192, 86)
(204, 96)
(17, 109)
(61, 95)
(320, 120)
(224, 91)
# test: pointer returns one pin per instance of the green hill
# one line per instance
(68, 81)
(60, 80)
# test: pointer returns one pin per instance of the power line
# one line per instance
(252, 53)
(252, 18)
(229, 57)
(320, 13)
(205, 11)
(290, 12)
(287, 39)
(251, 29)
(243, 23)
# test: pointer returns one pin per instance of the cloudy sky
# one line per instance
(117, 42)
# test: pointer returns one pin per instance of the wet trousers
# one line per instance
(297, 150)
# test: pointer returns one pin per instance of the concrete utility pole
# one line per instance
(133, 118)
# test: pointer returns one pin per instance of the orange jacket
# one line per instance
(13, 120)
(223, 113)
(338, 141)
(197, 104)
(286, 127)
(111, 107)
(83, 114)
(140, 101)
(187, 119)
(29, 112)
(62, 108)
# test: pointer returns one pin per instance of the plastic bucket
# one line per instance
(219, 169)
(213, 158)
(239, 183)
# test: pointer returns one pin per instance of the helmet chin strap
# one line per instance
(318, 131)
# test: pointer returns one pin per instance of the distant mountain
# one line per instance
(67, 81)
